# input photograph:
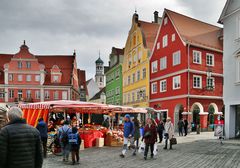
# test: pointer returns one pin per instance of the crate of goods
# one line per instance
(82, 145)
(99, 142)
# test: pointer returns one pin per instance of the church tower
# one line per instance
(99, 76)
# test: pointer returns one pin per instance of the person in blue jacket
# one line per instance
(128, 133)
(42, 128)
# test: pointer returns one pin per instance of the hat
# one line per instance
(127, 116)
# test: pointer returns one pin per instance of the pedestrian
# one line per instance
(185, 127)
(136, 133)
(75, 142)
(20, 143)
(160, 129)
(63, 137)
(42, 128)
(127, 134)
(169, 132)
(150, 137)
(106, 123)
(180, 127)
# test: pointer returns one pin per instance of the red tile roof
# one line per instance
(196, 32)
(149, 31)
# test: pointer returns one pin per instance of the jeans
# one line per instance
(125, 143)
(166, 141)
(147, 148)
(65, 151)
(186, 130)
(180, 130)
(160, 133)
(75, 153)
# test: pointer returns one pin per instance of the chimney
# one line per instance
(155, 17)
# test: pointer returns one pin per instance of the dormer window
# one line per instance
(56, 74)
(19, 65)
(55, 79)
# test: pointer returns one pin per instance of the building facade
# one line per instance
(25, 77)
(230, 18)
(114, 77)
(82, 84)
(135, 71)
(186, 70)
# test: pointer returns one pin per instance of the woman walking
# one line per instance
(169, 132)
(136, 125)
(150, 137)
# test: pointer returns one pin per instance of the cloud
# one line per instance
(60, 26)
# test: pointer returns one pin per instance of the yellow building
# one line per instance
(139, 44)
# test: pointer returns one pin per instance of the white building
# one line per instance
(230, 18)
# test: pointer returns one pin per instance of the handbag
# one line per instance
(173, 141)
(147, 134)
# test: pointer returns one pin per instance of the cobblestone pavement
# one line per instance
(193, 151)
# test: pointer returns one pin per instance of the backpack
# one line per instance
(64, 139)
(73, 139)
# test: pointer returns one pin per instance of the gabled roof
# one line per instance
(149, 31)
(231, 6)
(98, 95)
(196, 32)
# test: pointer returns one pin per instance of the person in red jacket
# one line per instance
(150, 137)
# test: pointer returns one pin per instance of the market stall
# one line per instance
(89, 133)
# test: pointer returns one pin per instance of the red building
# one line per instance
(25, 77)
(186, 70)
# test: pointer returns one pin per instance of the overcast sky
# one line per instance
(60, 26)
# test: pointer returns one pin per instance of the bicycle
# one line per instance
(54, 146)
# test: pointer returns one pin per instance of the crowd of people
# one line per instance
(152, 131)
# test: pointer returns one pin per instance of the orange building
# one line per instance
(25, 77)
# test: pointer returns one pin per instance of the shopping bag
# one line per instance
(155, 149)
(141, 147)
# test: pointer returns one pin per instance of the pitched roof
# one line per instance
(196, 32)
(98, 95)
(149, 31)
(117, 51)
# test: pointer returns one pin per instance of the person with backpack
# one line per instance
(75, 142)
(128, 133)
(63, 137)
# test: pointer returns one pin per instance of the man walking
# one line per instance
(127, 133)
(185, 127)
(64, 131)
(42, 128)
(20, 143)
(180, 127)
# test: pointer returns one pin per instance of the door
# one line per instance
(237, 122)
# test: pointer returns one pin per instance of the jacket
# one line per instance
(128, 129)
(169, 129)
(153, 134)
(42, 128)
(20, 146)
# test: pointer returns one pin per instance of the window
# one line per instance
(19, 65)
(210, 82)
(100, 79)
(55, 95)
(55, 78)
(28, 64)
(165, 20)
(173, 37)
(177, 82)
(133, 97)
(64, 95)
(37, 78)
(19, 78)
(139, 54)
(10, 77)
(163, 86)
(133, 78)
(210, 59)
(158, 45)
(2, 93)
(176, 58)
(197, 81)
(29, 94)
(37, 94)
(117, 73)
(11, 94)
(163, 63)
(154, 66)
(144, 73)
(165, 41)
(46, 94)
(138, 75)
(129, 97)
(154, 88)
(129, 80)
(117, 91)
(20, 94)
(29, 78)
(135, 57)
(197, 57)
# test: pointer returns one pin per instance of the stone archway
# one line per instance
(212, 109)
(196, 109)
(177, 115)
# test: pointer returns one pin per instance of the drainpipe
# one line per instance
(188, 101)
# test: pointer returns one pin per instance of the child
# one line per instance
(75, 142)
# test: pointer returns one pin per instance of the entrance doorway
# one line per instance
(237, 122)
(177, 115)
(211, 112)
(196, 117)
(163, 115)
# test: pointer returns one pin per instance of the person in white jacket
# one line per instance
(169, 132)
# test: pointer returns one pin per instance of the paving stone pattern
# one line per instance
(193, 151)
